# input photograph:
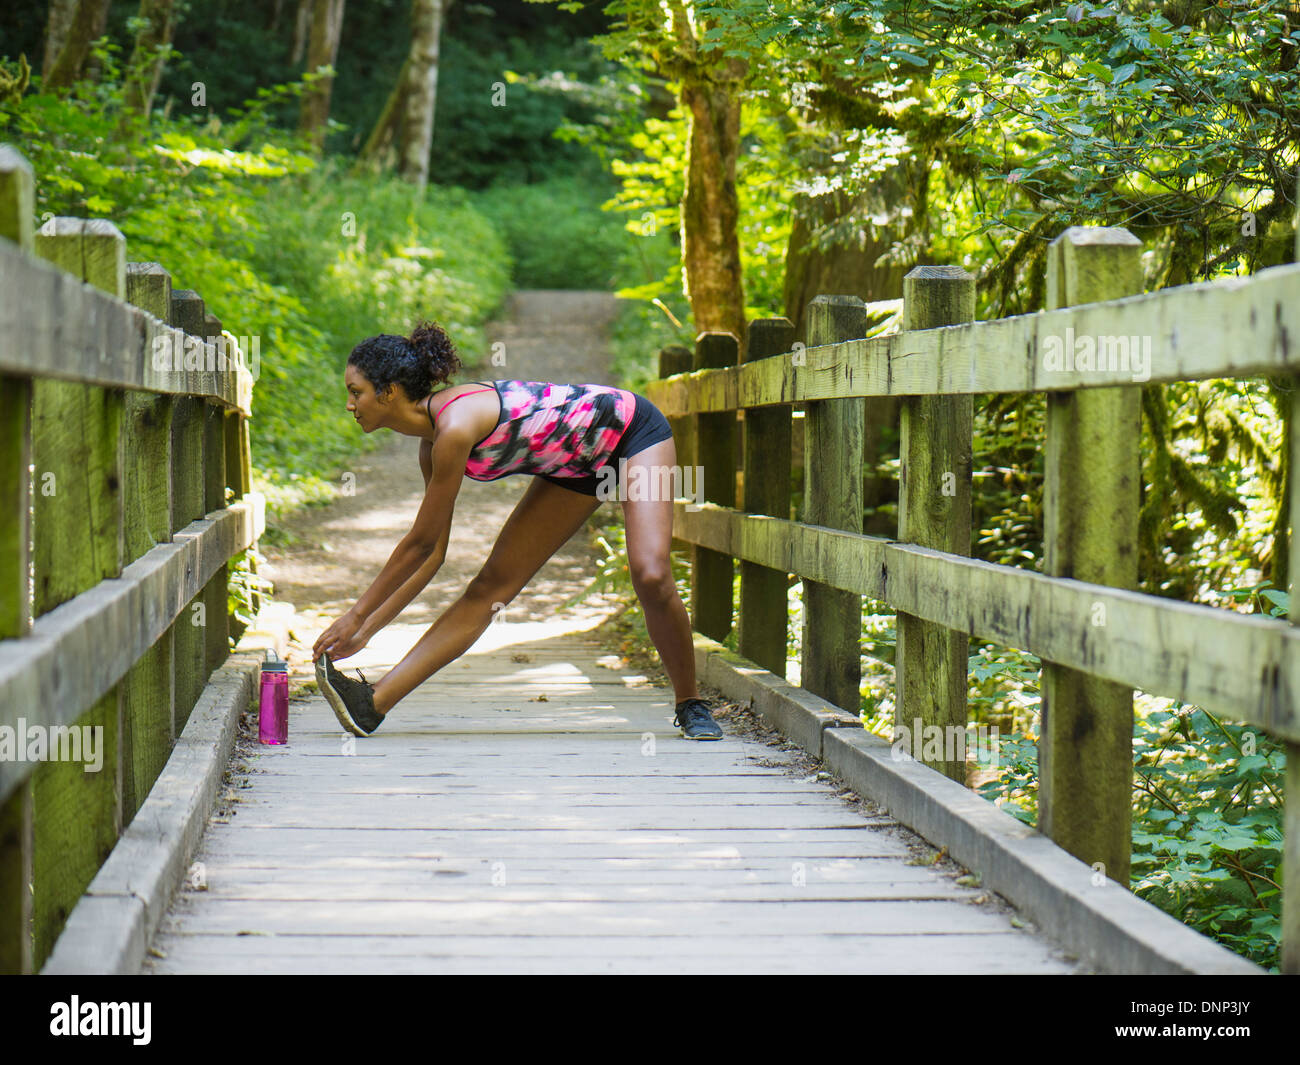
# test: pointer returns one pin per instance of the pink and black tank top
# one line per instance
(545, 428)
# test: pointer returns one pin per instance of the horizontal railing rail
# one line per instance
(1098, 637)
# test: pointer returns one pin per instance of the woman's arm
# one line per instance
(397, 602)
(420, 550)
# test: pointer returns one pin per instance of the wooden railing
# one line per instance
(124, 489)
(1097, 637)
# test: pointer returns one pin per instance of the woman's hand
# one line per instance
(342, 639)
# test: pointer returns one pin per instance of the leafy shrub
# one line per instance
(280, 247)
(557, 234)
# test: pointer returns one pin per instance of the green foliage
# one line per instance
(365, 257)
(648, 157)
(242, 585)
(502, 96)
(1044, 115)
(1207, 820)
(640, 330)
(557, 234)
(283, 249)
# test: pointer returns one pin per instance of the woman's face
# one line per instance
(363, 404)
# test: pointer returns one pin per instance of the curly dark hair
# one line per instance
(419, 363)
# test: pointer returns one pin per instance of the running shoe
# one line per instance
(353, 701)
(695, 721)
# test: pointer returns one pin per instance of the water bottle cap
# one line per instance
(273, 664)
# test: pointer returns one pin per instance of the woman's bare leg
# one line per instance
(541, 523)
(649, 525)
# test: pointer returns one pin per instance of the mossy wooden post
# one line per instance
(764, 610)
(930, 661)
(188, 499)
(239, 479)
(676, 359)
(216, 627)
(1290, 952)
(1090, 502)
(831, 664)
(17, 197)
(715, 434)
(146, 512)
(77, 542)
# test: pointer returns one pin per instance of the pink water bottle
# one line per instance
(273, 706)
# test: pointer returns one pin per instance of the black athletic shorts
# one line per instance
(648, 426)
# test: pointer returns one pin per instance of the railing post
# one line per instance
(930, 661)
(77, 444)
(1090, 503)
(216, 629)
(146, 509)
(17, 196)
(675, 359)
(831, 662)
(715, 434)
(764, 608)
(188, 499)
(1289, 962)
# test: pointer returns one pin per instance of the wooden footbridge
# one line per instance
(533, 810)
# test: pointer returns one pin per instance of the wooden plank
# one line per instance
(231, 876)
(764, 608)
(1289, 955)
(232, 436)
(596, 919)
(53, 326)
(712, 574)
(77, 543)
(441, 890)
(526, 845)
(1245, 666)
(17, 198)
(766, 951)
(15, 882)
(65, 665)
(831, 663)
(930, 661)
(1091, 495)
(550, 817)
(77, 819)
(147, 688)
(1238, 327)
(16, 501)
(189, 647)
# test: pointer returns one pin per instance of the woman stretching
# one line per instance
(561, 435)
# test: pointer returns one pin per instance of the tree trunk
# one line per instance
(57, 26)
(301, 30)
(91, 70)
(322, 51)
(85, 26)
(883, 215)
(710, 208)
(881, 219)
(378, 147)
(155, 33)
(420, 92)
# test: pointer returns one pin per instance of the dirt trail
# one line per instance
(334, 552)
